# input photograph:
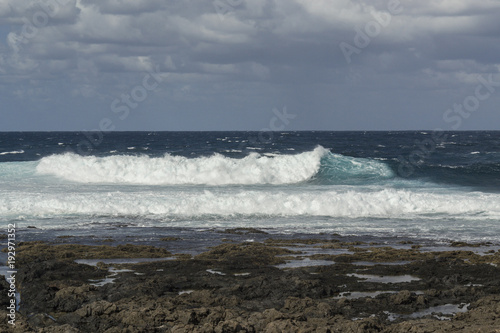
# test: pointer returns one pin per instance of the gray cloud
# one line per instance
(246, 58)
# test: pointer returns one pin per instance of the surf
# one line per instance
(344, 202)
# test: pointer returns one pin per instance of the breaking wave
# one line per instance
(318, 165)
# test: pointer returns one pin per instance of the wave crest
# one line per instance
(317, 165)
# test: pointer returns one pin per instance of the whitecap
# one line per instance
(12, 152)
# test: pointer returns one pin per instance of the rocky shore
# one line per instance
(273, 285)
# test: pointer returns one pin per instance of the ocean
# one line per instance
(133, 186)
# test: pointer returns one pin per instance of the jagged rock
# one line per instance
(96, 309)
(403, 297)
(264, 299)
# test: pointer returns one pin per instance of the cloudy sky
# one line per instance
(227, 64)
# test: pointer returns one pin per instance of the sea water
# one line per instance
(387, 184)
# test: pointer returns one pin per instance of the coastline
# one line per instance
(251, 281)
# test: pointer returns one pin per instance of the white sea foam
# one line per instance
(170, 170)
(397, 204)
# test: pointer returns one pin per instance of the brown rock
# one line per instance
(96, 309)
(403, 297)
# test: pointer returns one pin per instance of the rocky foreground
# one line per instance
(241, 287)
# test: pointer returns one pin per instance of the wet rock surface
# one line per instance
(236, 287)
